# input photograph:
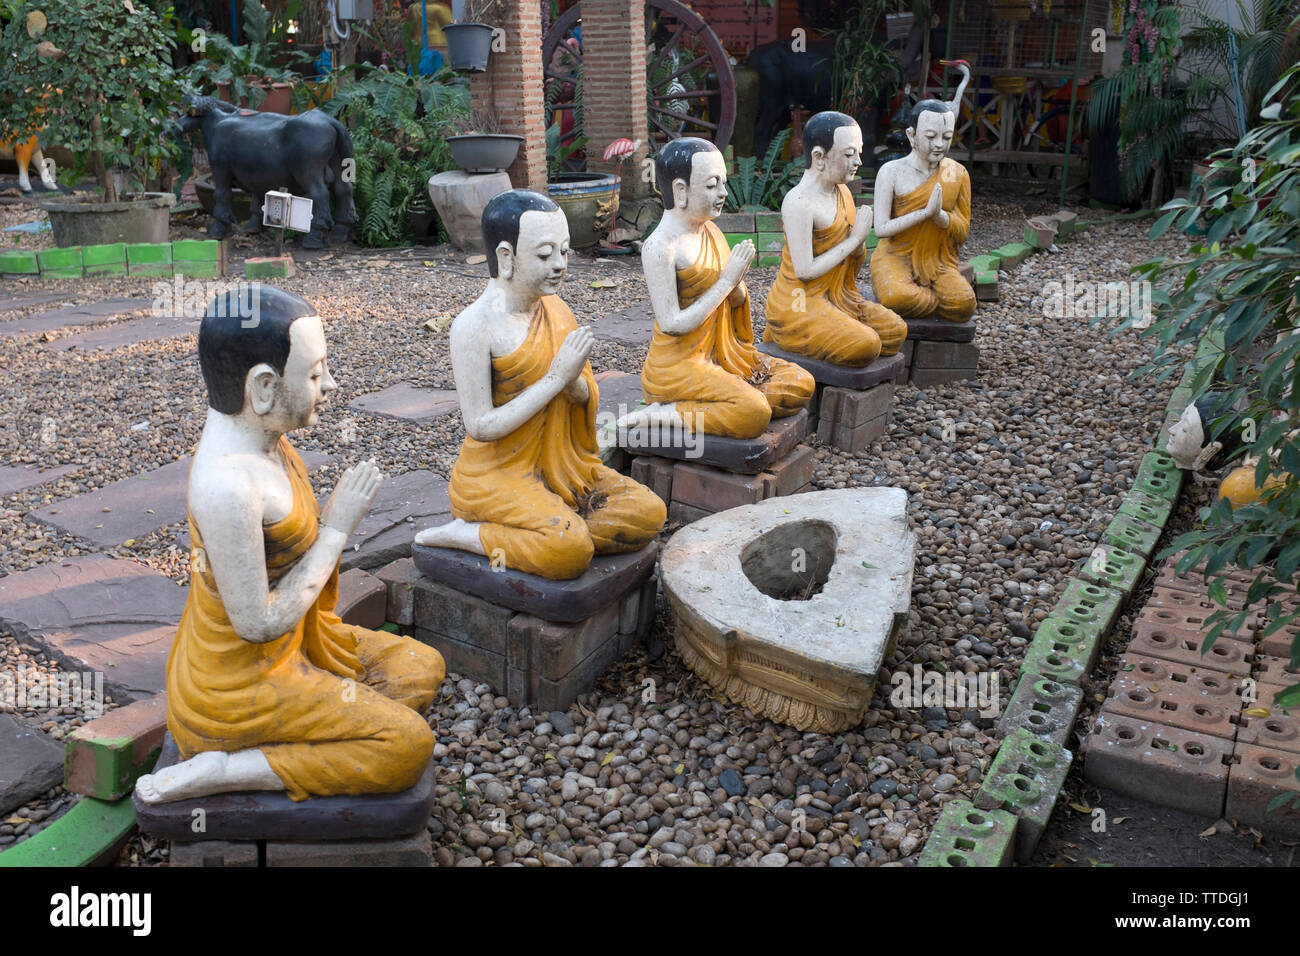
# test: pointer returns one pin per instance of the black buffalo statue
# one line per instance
(302, 154)
(788, 80)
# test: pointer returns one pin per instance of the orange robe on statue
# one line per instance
(705, 371)
(525, 487)
(827, 318)
(915, 272)
(335, 708)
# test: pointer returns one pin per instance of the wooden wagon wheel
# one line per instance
(690, 86)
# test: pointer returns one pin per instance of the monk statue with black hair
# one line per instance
(922, 219)
(529, 490)
(703, 372)
(814, 308)
(267, 689)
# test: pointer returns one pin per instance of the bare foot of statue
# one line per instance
(212, 771)
(657, 414)
(457, 533)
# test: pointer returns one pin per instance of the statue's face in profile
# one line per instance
(933, 135)
(542, 255)
(302, 390)
(845, 155)
(707, 192)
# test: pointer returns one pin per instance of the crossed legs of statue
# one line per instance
(948, 297)
(348, 737)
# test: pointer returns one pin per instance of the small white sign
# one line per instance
(287, 210)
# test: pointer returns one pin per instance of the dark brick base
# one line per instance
(692, 490)
(407, 851)
(534, 661)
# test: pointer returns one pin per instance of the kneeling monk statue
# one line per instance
(703, 372)
(922, 219)
(814, 308)
(529, 490)
(267, 689)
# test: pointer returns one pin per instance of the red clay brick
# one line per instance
(1164, 765)
(1204, 706)
(105, 757)
(853, 408)
(679, 513)
(1275, 670)
(793, 472)
(1278, 731)
(712, 489)
(1184, 647)
(1256, 777)
(656, 474)
(1189, 617)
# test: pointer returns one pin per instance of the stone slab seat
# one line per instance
(746, 456)
(884, 369)
(609, 577)
(940, 330)
(810, 664)
(273, 816)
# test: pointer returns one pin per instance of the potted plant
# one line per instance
(98, 75)
(469, 41)
(247, 74)
(479, 146)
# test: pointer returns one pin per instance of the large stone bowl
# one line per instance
(790, 606)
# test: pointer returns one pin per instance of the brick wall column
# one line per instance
(613, 90)
(512, 86)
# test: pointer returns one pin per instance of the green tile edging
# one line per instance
(196, 258)
(89, 833)
(1062, 651)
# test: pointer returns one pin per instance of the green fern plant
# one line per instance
(399, 125)
(766, 185)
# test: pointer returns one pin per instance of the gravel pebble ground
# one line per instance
(1010, 477)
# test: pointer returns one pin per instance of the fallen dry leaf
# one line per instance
(475, 260)
(1207, 832)
(1081, 808)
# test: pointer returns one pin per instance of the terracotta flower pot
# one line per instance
(279, 96)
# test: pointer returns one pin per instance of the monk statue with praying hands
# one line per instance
(529, 490)
(814, 308)
(267, 689)
(922, 219)
(703, 373)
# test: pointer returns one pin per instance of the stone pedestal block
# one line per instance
(934, 363)
(693, 490)
(851, 420)
(535, 662)
(414, 850)
(743, 455)
(459, 198)
(272, 815)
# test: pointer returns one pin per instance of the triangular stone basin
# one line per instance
(789, 607)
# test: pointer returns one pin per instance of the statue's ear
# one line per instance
(816, 158)
(505, 259)
(259, 388)
(680, 188)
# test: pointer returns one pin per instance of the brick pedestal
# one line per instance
(691, 490)
(533, 660)
(512, 86)
(407, 851)
(850, 419)
(851, 407)
(938, 351)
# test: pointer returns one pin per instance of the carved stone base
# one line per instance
(789, 607)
